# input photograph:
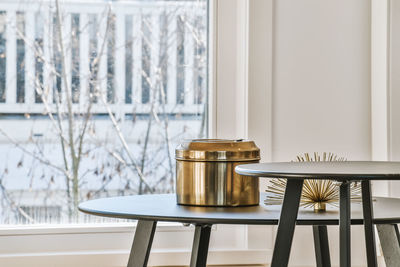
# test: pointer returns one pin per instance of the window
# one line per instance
(95, 100)
(228, 116)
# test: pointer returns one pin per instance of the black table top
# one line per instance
(164, 208)
(336, 170)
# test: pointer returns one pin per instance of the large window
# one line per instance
(94, 98)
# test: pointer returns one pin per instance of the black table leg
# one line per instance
(287, 221)
(200, 246)
(344, 225)
(321, 246)
(368, 223)
(142, 241)
(390, 242)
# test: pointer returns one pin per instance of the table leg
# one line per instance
(200, 246)
(142, 241)
(390, 242)
(344, 224)
(287, 221)
(368, 223)
(321, 246)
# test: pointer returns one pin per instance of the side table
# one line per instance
(344, 172)
(150, 209)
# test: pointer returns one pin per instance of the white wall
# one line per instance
(321, 78)
(321, 93)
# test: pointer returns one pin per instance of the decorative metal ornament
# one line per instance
(316, 193)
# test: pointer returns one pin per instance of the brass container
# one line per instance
(205, 173)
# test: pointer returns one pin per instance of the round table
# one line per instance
(344, 172)
(149, 209)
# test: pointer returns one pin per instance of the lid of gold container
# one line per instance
(217, 150)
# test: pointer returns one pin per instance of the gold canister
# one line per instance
(205, 173)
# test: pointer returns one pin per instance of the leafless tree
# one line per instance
(75, 127)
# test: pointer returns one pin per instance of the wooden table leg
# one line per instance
(368, 223)
(287, 222)
(142, 241)
(389, 238)
(344, 225)
(200, 246)
(321, 246)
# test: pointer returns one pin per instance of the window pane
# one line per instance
(105, 92)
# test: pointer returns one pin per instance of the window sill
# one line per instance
(109, 245)
(49, 229)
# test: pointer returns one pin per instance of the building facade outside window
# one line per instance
(94, 98)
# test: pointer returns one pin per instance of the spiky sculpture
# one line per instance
(316, 193)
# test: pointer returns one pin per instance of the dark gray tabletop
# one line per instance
(164, 208)
(338, 170)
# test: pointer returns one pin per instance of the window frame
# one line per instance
(240, 48)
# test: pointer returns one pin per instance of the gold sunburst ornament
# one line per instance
(316, 193)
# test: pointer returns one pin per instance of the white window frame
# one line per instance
(385, 93)
(241, 78)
